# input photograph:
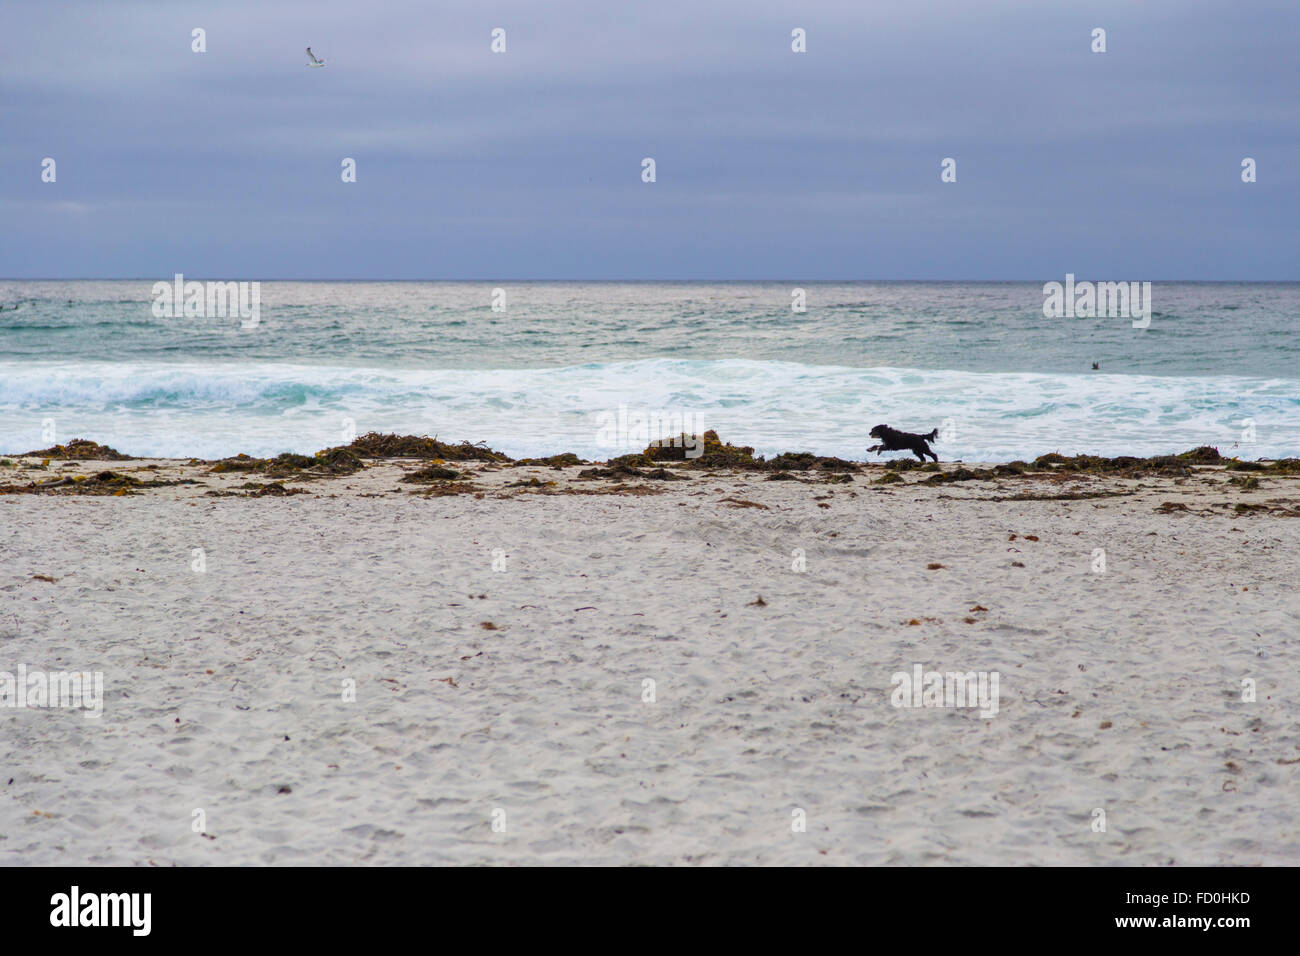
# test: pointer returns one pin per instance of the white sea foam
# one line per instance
(215, 409)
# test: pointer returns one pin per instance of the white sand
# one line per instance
(223, 687)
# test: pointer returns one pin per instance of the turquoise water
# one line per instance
(1219, 365)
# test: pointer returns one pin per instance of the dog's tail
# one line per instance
(932, 436)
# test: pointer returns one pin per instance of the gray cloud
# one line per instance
(770, 164)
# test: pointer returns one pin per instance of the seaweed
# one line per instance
(807, 461)
(284, 464)
(617, 470)
(1202, 454)
(79, 449)
(1064, 496)
(797, 460)
(631, 461)
(274, 488)
(623, 470)
(377, 445)
(905, 464)
(1283, 466)
(434, 473)
(339, 460)
(713, 455)
(1125, 466)
(663, 474)
(565, 459)
(256, 489)
(620, 489)
(1163, 466)
(101, 483)
(710, 453)
(531, 483)
(675, 449)
(960, 474)
(443, 489)
(329, 462)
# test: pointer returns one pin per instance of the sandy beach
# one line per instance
(455, 670)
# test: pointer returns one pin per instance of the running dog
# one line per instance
(891, 439)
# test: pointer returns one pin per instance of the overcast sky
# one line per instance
(770, 164)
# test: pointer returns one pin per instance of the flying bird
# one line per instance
(315, 61)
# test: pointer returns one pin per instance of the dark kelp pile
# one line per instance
(1283, 507)
(622, 470)
(348, 459)
(79, 449)
(1201, 455)
(635, 491)
(442, 489)
(661, 461)
(376, 445)
(1160, 466)
(257, 489)
(708, 452)
(1058, 467)
(1283, 466)
(565, 460)
(102, 483)
(807, 461)
(328, 463)
(434, 473)
(1013, 469)
(533, 482)
(958, 474)
(688, 451)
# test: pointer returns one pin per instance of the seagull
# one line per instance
(315, 61)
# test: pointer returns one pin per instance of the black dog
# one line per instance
(891, 439)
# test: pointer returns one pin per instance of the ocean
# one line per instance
(592, 367)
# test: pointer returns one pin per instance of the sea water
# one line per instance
(539, 367)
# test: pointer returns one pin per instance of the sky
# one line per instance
(770, 164)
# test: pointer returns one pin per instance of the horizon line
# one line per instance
(783, 281)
